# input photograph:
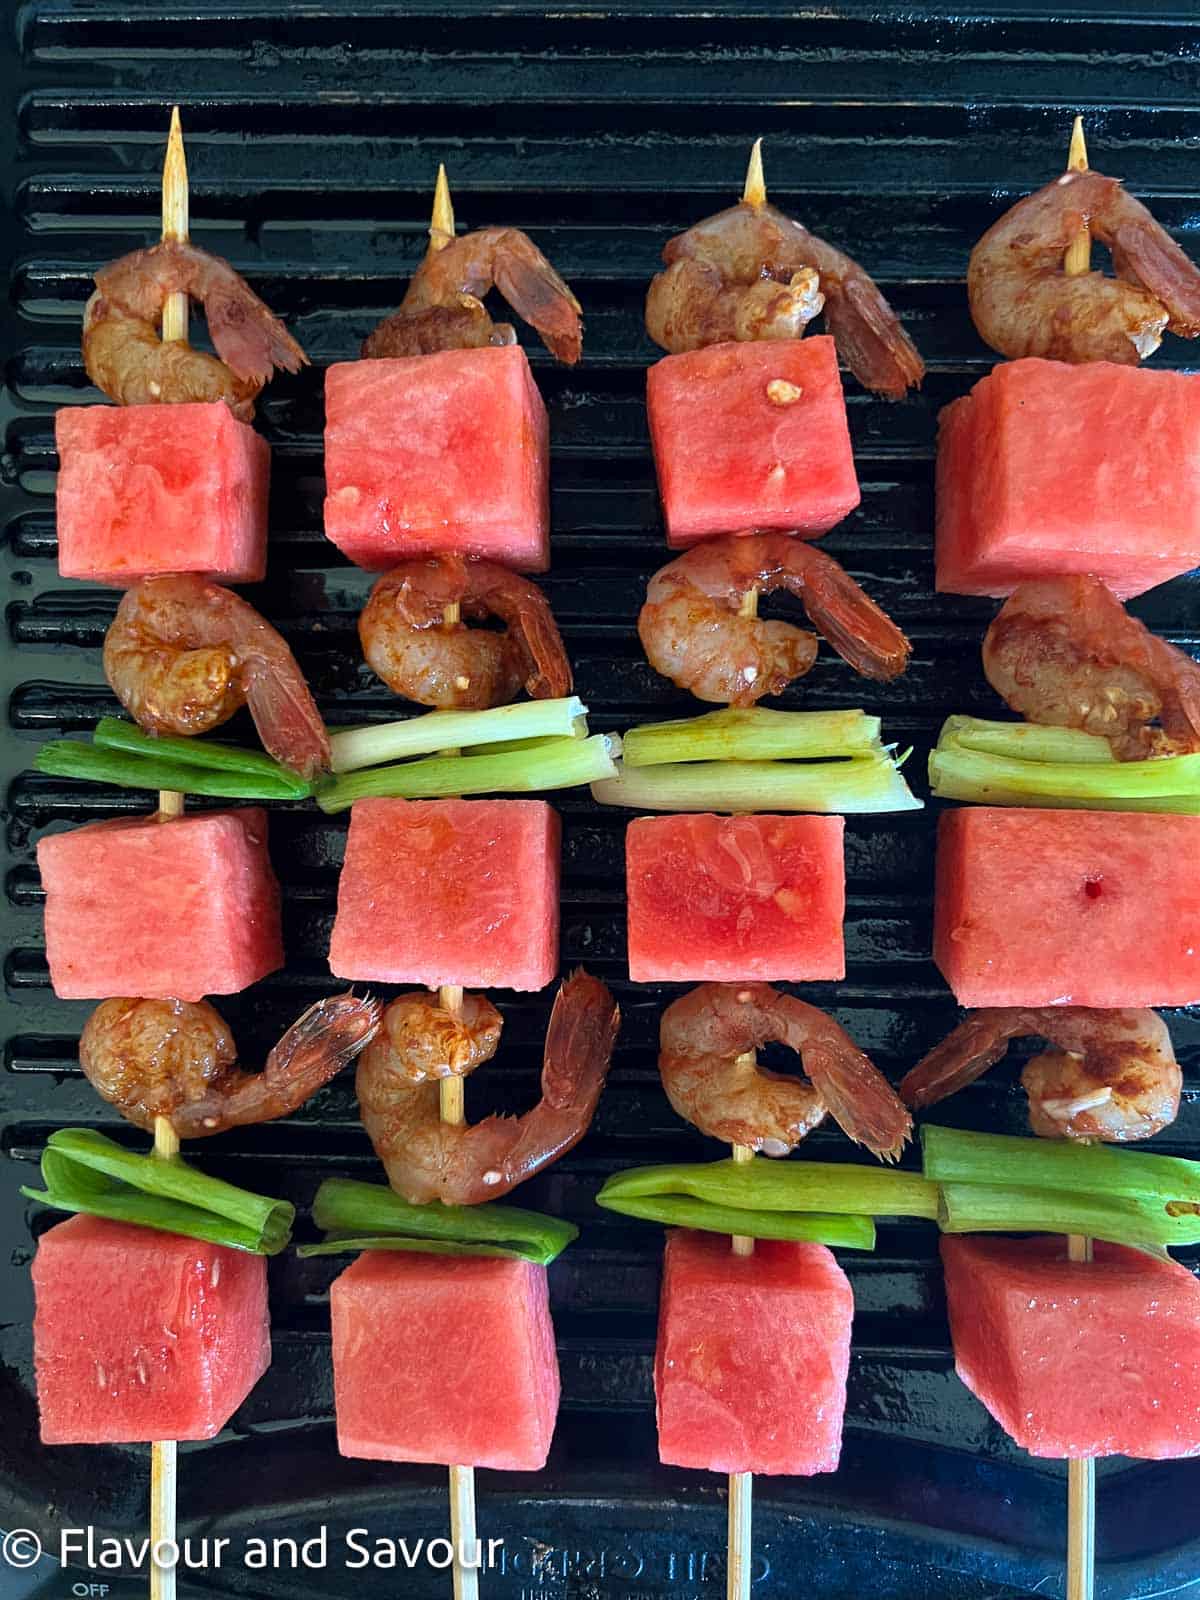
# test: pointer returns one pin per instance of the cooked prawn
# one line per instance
(1111, 1075)
(706, 1040)
(420, 655)
(182, 655)
(750, 272)
(126, 358)
(1025, 304)
(1065, 651)
(428, 1159)
(693, 633)
(176, 1059)
(443, 308)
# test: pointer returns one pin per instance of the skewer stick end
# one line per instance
(451, 1098)
(441, 226)
(175, 184)
(1077, 156)
(754, 191)
(166, 1140)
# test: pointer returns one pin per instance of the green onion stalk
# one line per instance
(755, 734)
(525, 725)
(871, 783)
(122, 755)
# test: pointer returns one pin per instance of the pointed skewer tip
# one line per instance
(441, 225)
(754, 190)
(1077, 156)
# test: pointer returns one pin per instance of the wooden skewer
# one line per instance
(740, 1535)
(1081, 1474)
(175, 224)
(754, 190)
(163, 1452)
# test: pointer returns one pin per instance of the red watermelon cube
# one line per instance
(751, 437)
(448, 1359)
(1046, 468)
(1081, 908)
(441, 452)
(753, 1351)
(726, 899)
(139, 906)
(152, 489)
(140, 1335)
(449, 891)
(1078, 1358)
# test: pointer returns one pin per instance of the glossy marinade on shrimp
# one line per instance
(694, 633)
(1025, 303)
(1064, 651)
(1110, 1075)
(176, 1059)
(182, 655)
(466, 1164)
(127, 359)
(408, 642)
(750, 272)
(710, 1077)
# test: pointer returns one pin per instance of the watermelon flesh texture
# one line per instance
(152, 489)
(449, 891)
(440, 452)
(1076, 1359)
(140, 1335)
(751, 437)
(760, 897)
(137, 906)
(444, 1359)
(753, 1351)
(1082, 908)
(1118, 494)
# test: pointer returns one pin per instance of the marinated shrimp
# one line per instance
(750, 272)
(176, 1059)
(1025, 304)
(408, 642)
(706, 1040)
(1065, 651)
(1110, 1075)
(443, 308)
(182, 655)
(428, 1159)
(693, 633)
(126, 358)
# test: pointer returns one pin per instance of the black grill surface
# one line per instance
(313, 133)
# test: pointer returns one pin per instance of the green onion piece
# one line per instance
(451, 730)
(763, 1185)
(753, 734)
(562, 764)
(339, 1245)
(355, 1214)
(1118, 1219)
(866, 784)
(853, 1233)
(115, 733)
(64, 758)
(1026, 741)
(953, 1155)
(85, 1172)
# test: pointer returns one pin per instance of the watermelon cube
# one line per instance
(1081, 908)
(140, 1335)
(152, 489)
(751, 437)
(449, 891)
(139, 906)
(441, 452)
(1078, 1358)
(1117, 495)
(753, 1351)
(448, 1359)
(725, 899)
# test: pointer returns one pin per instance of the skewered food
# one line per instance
(753, 1351)
(761, 897)
(1084, 908)
(706, 1044)
(695, 632)
(1064, 651)
(1109, 1075)
(172, 1059)
(182, 655)
(449, 892)
(460, 1164)
(418, 653)
(185, 909)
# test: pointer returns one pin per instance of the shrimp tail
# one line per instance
(861, 632)
(1144, 254)
(536, 292)
(288, 723)
(579, 1043)
(859, 1098)
(871, 340)
(249, 337)
(965, 1054)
